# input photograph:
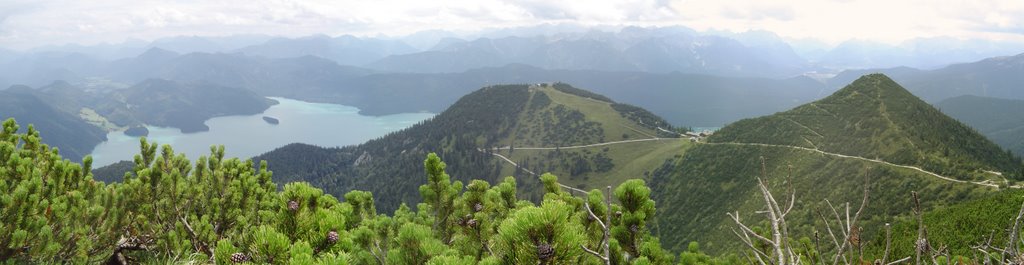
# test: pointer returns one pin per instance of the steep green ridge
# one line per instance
(494, 118)
(995, 118)
(873, 118)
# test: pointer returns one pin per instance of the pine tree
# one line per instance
(637, 208)
(180, 209)
(439, 194)
(546, 235)
(51, 210)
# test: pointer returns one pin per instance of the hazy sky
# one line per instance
(27, 23)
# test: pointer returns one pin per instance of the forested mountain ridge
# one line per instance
(875, 117)
(873, 132)
(993, 117)
(491, 120)
(74, 136)
(186, 106)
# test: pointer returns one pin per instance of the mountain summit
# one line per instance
(875, 117)
(556, 128)
(871, 132)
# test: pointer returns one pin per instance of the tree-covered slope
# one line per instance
(874, 117)
(181, 105)
(996, 118)
(489, 121)
(70, 134)
(872, 131)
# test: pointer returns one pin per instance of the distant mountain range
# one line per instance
(647, 49)
(997, 77)
(690, 99)
(924, 53)
(632, 49)
(345, 50)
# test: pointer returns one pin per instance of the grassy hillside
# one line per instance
(995, 118)
(872, 131)
(565, 152)
(534, 121)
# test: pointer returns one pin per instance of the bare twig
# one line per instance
(899, 261)
(817, 246)
(888, 242)
(606, 238)
(782, 251)
(757, 252)
(1011, 244)
(379, 257)
(747, 230)
(921, 245)
(607, 221)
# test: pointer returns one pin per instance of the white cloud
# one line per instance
(30, 23)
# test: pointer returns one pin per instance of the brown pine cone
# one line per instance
(332, 237)
(293, 206)
(545, 251)
(239, 257)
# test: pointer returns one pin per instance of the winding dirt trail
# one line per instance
(982, 183)
(586, 146)
(987, 183)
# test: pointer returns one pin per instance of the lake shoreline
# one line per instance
(321, 124)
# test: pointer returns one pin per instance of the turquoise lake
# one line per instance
(327, 125)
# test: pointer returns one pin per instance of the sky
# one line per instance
(29, 23)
